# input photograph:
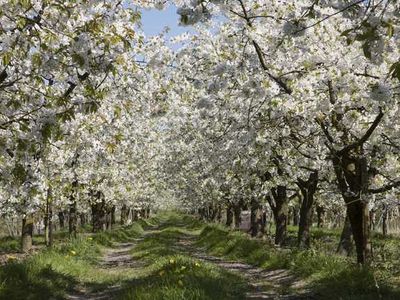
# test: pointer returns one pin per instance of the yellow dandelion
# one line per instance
(11, 257)
(90, 238)
(171, 261)
(197, 264)
(72, 252)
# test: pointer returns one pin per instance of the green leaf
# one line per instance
(6, 59)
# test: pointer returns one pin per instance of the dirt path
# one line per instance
(117, 258)
(275, 284)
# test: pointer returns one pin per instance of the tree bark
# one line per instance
(73, 219)
(237, 210)
(108, 219)
(27, 233)
(48, 221)
(308, 189)
(113, 209)
(219, 214)
(124, 214)
(345, 246)
(148, 212)
(352, 175)
(279, 206)
(263, 221)
(295, 211)
(82, 217)
(98, 216)
(135, 215)
(229, 215)
(320, 216)
(385, 221)
(254, 224)
(61, 219)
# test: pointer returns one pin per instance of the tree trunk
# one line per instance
(213, 213)
(254, 224)
(48, 221)
(263, 221)
(384, 221)
(27, 233)
(295, 216)
(124, 215)
(280, 210)
(219, 214)
(73, 219)
(108, 218)
(50, 226)
(229, 215)
(320, 216)
(61, 219)
(113, 222)
(237, 210)
(148, 212)
(345, 246)
(135, 215)
(98, 214)
(372, 220)
(82, 216)
(308, 189)
(352, 175)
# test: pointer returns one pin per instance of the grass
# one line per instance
(175, 277)
(330, 276)
(172, 274)
(168, 271)
(51, 273)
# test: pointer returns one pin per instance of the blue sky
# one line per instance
(154, 21)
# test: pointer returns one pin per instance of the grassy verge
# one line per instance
(53, 272)
(331, 276)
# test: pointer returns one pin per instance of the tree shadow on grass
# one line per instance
(354, 283)
(23, 281)
(181, 277)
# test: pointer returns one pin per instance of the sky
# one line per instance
(154, 21)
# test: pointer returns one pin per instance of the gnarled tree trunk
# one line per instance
(279, 206)
(352, 175)
(308, 189)
(345, 246)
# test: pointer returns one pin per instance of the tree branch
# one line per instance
(385, 188)
(366, 136)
